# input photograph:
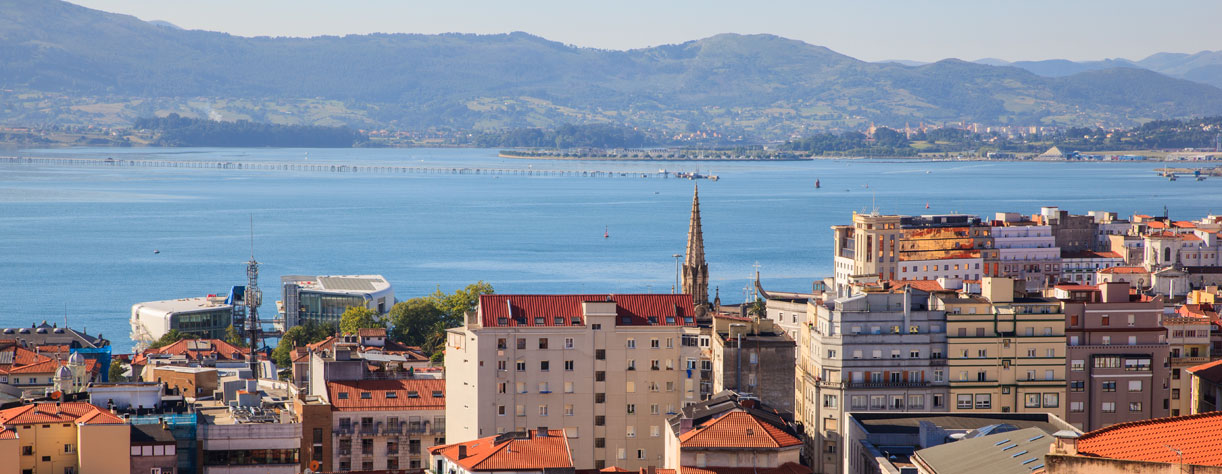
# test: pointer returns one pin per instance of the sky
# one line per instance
(872, 30)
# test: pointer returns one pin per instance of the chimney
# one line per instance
(685, 425)
(1066, 443)
(462, 451)
(651, 469)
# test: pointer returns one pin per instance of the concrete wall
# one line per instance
(104, 449)
(10, 450)
(1064, 464)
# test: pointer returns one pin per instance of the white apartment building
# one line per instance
(1027, 253)
(608, 369)
(877, 351)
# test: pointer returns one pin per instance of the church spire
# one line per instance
(695, 269)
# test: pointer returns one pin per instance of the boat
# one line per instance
(816, 184)
(926, 205)
(606, 233)
(155, 251)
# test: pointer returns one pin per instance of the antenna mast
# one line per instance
(253, 299)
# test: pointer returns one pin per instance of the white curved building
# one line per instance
(205, 316)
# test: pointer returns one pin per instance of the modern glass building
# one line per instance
(322, 299)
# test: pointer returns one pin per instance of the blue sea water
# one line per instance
(79, 241)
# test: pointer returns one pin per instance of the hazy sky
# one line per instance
(866, 29)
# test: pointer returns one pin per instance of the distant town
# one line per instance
(946, 343)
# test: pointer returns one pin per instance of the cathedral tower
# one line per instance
(695, 269)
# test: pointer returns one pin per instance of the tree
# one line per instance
(171, 337)
(358, 317)
(456, 304)
(234, 337)
(412, 320)
(298, 336)
(116, 371)
(759, 308)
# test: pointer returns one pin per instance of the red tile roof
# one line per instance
(1156, 225)
(1072, 287)
(387, 394)
(1211, 371)
(1148, 440)
(1129, 270)
(6, 433)
(737, 429)
(531, 453)
(66, 412)
(196, 349)
(522, 310)
(371, 332)
(1185, 224)
(1091, 254)
(928, 286)
(787, 468)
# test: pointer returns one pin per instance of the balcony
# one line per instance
(1189, 360)
(887, 384)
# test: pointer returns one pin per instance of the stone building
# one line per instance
(754, 356)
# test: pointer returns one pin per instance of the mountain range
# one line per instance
(68, 64)
(1204, 66)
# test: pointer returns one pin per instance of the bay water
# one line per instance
(78, 242)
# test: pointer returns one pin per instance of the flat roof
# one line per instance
(909, 423)
(340, 283)
(184, 305)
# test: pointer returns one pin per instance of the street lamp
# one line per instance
(675, 289)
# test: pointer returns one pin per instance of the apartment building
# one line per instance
(754, 356)
(69, 438)
(1004, 353)
(1025, 251)
(608, 369)
(1188, 340)
(1118, 359)
(882, 350)
(385, 424)
(540, 451)
(1081, 267)
(732, 431)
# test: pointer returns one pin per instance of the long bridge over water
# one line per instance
(333, 168)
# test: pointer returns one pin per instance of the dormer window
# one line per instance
(413, 394)
(366, 395)
(653, 320)
(342, 395)
(438, 394)
(392, 395)
(502, 321)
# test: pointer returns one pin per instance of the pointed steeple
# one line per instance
(695, 269)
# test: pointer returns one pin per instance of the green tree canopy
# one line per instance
(234, 337)
(413, 320)
(456, 304)
(298, 336)
(116, 371)
(358, 317)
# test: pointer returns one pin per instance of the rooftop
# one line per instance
(359, 284)
(1009, 452)
(511, 452)
(1156, 440)
(737, 429)
(909, 423)
(184, 305)
(1211, 371)
(66, 412)
(787, 468)
(406, 394)
(567, 310)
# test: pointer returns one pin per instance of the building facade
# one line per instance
(323, 299)
(608, 369)
(1118, 359)
(753, 355)
(877, 351)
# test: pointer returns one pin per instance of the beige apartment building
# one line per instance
(607, 369)
(1004, 354)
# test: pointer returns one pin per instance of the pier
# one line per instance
(335, 168)
(1198, 173)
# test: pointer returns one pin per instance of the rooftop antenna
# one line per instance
(253, 299)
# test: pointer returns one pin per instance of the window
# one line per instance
(1077, 386)
(543, 343)
(914, 329)
(1052, 400)
(964, 401)
(544, 388)
(568, 343)
(1137, 365)
(545, 365)
(568, 387)
(984, 401)
(1107, 362)
(500, 344)
(1109, 386)
(631, 343)
(521, 366)
(1134, 406)
(1105, 320)
(631, 408)
(653, 343)
(1077, 365)
(500, 365)
(520, 410)
(1049, 374)
(640, 454)
(916, 401)
(829, 401)
(630, 431)
(600, 354)
(1134, 385)
(914, 354)
(1032, 400)
(1077, 407)
(600, 376)
(568, 365)
(542, 410)
(521, 343)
